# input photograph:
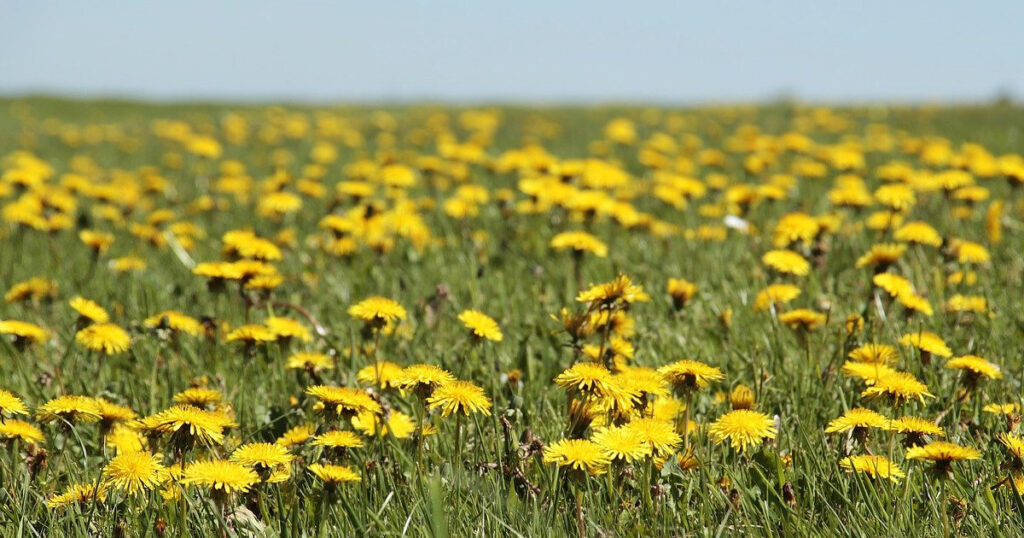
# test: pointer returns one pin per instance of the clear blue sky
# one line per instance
(667, 51)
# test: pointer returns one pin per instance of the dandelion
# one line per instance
(264, 458)
(786, 262)
(134, 472)
(77, 494)
(900, 387)
(199, 397)
(873, 466)
(21, 431)
(660, 436)
(296, 436)
(459, 396)
(621, 444)
(743, 429)
(221, 477)
(914, 430)
(344, 402)
(174, 321)
(422, 379)
(383, 374)
(579, 455)
(859, 421)
(775, 295)
(24, 333)
(69, 408)
(688, 375)
(480, 325)
(11, 405)
(620, 292)
(334, 475)
(377, 311)
(88, 311)
(104, 337)
(681, 291)
(942, 454)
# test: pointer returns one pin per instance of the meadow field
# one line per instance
(296, 321)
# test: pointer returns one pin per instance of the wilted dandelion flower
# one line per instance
(105, 337)
(686, 375)
(456, 396)
(743, 429)
(873, 466)
(480, 325)
(70, 408)
(134, 472)
(579, 455)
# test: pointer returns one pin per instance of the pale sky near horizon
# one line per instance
(525, 51)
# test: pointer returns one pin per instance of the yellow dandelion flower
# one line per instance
(134, 472)
(857, 419)
(579, 455)
(89, 310)
(686, 375)
(975, 366)
(621, 444)
(175, 321)
(222, 477)
(775, 295)
(481, 325)
(105, 337)
(900, 386)
(787, 262)
(332, 475)
(379, 310)
(458, 395)
(743, 429)
(873, 466)
(71, 408)
(579, 242)
(11, 405)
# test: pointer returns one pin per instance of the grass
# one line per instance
(499, 262)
